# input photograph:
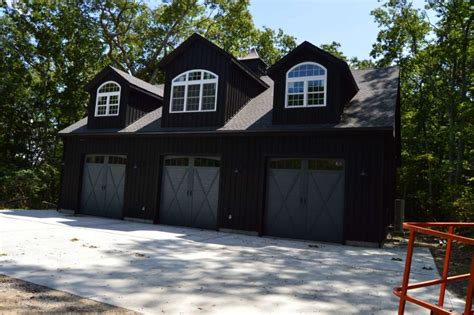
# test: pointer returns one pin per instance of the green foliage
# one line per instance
(30, 187)
(272, 45)
(335, 49)
(51, 49)
(436, 64)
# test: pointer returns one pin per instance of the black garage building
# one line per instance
(304, 149)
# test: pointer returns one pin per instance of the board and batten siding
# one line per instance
(243, 171)
(336, 95)
(109, 122)
(240, 90)
(235, 87)
(140, 104)
(198, 56)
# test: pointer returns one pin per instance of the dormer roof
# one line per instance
(198, 38)
(374, 106)
(134, 82)
(307, 46)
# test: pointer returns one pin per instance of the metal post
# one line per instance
(470, 290)
(399, 215)
(444, 276)
(406, 273)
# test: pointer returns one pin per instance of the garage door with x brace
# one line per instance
(190, 191)
(305, 199)
(103, 185)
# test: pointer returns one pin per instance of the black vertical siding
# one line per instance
(256, 65)
(336, 93)
(240, 90)
(235, 87)
(198, 56)
(139, 105)
(369, 173)
(111, 121)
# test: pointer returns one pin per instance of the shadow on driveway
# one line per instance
(156, 268)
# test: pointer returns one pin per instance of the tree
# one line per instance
(272, 45)
(335, 49)
(436, 64)
(50, 50)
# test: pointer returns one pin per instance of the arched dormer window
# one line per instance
(194, 91)
(108, 99)
(306, 85)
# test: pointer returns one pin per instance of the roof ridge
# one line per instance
(137, 82)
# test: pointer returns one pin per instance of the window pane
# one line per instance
(208, 103)
(109, 87)
(209, 96)
(315, 86)
(315, 98)
(207, 76)
(192, 102)
(113, 110)
(177, 162)
(306, 70)
(102, 100)
(113, 99)
(203, 162)
(117, 160)
(193, 76)
(296, 87)
(177, 99)
(209, 89)
(181, 78)
(285, 164)
(101, 110)
(99, 159)
(333, 165)
(295, 99)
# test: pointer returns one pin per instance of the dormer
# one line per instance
(204, 85)
(117, 99)
(311, 86)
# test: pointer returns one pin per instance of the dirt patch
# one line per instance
(460, 262)
(18, 296)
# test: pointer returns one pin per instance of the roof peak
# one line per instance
(252, 54)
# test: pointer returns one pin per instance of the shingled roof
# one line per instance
(134, 82)
(374, 106)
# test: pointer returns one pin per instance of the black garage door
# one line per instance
(103, 185)
(305, 199)
(190, 191)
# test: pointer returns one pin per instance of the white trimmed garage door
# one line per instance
(190, 191)
(305, 199)
(103, 184)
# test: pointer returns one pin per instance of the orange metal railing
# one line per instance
(430, 229)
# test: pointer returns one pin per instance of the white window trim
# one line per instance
(107, 105)
(305, 87)
(193, 82)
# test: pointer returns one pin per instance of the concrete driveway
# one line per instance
(162, 269)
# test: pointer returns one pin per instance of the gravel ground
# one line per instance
(18, 296)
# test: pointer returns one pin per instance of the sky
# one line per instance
(347, 22)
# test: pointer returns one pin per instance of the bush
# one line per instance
(29, 188)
